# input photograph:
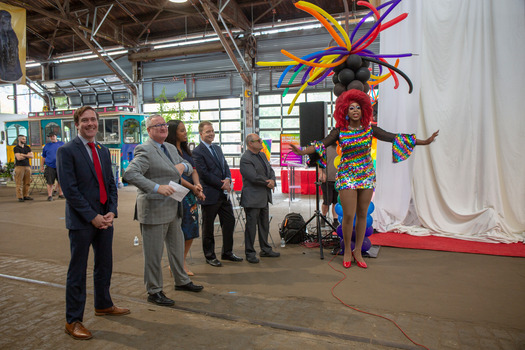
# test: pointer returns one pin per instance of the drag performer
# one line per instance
(356, 176)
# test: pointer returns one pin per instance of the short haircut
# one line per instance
(249, 138)
(150, 118)
(80, 111)
(203, 124)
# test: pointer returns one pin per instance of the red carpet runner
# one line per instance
(402, 240)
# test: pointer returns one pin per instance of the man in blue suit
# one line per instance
(84, 171)
(215, 179)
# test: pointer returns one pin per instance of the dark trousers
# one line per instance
(256, 218)
(80, 240)
(224, 209)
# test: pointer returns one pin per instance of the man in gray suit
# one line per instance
(156, 164)
(258, 181)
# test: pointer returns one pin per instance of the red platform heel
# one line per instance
(347, 264)
(359, 264)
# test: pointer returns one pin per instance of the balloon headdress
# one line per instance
(347, 98)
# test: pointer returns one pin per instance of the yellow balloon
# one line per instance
(337, 160)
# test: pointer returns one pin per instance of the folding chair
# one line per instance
(38, 180)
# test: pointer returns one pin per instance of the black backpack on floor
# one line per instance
(290, 227)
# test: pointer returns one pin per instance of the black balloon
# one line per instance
(340, 67)
(354, 62)
(367, 87)
(346, 76)
(339, 89)
(356, 84)
(335, 78)
(365, 64)
(362, 74)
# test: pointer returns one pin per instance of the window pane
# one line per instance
(270, 111)
(112, 132)
(69, 131)
(209, 104)
(269, 99)
(232, 114)
(236, 137)
(291, 95)
(230, 126)
(190, 105)
(55, 128)
(13, 131)
(269, 123)
(6, 105)
(319, 96)
(275, 136)
(23, 99)
(131, 129)
(295, 110)
(290, 122)
(231, 149)
(151, 107)
(230, 103)
(210, 115)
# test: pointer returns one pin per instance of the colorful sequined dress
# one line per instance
(356, 169)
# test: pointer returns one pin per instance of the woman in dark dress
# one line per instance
(178, 137)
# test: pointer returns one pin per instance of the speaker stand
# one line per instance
(318, 216)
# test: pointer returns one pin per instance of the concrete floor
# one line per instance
(441, 300)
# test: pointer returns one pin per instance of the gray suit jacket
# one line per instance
(255, 193)
(150, 166)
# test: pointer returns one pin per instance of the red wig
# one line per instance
(343, 102)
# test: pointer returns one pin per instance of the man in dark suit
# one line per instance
(258, 181)
(155, 164)
(216, 183)
(84, 171)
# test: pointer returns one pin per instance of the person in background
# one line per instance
(356, 176)
(258, 181)
(215, 177)
(22, 168)
(49, 156)
(155, 165)
(178, 136)
(84, 170)
(327, 178)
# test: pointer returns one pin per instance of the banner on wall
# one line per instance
(288, 158)
(267, 148)
(12, 44)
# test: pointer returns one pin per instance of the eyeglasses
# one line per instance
(258, 140)
(165, 125)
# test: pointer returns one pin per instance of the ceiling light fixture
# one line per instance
(178, 1)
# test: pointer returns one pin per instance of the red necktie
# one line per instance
(98, 170)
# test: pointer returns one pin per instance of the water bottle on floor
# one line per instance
(136, 241)
(283, 243)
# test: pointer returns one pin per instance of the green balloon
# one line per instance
(339, 199)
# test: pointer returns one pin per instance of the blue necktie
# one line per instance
(166, 152)
(217, 157)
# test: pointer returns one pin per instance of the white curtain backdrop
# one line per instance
(468, 76)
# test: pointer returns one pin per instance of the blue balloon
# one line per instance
(369, 221)
(340, 219)
(339, 231)
(339, 209)
(369, 231)
(353, 235)
(341, 247)
(353, 245)
(371, 208)
(366, 244)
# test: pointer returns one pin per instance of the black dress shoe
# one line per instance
(270, 254)
(231, 257)
(160, 299)
(28, 198)
(190, 287)
(20, 199)
(214, 262)
(252, 260)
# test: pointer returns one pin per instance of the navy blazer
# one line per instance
(78, 179)
(210, 172)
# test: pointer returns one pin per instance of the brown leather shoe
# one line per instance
(78, 331)
(111, 311)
